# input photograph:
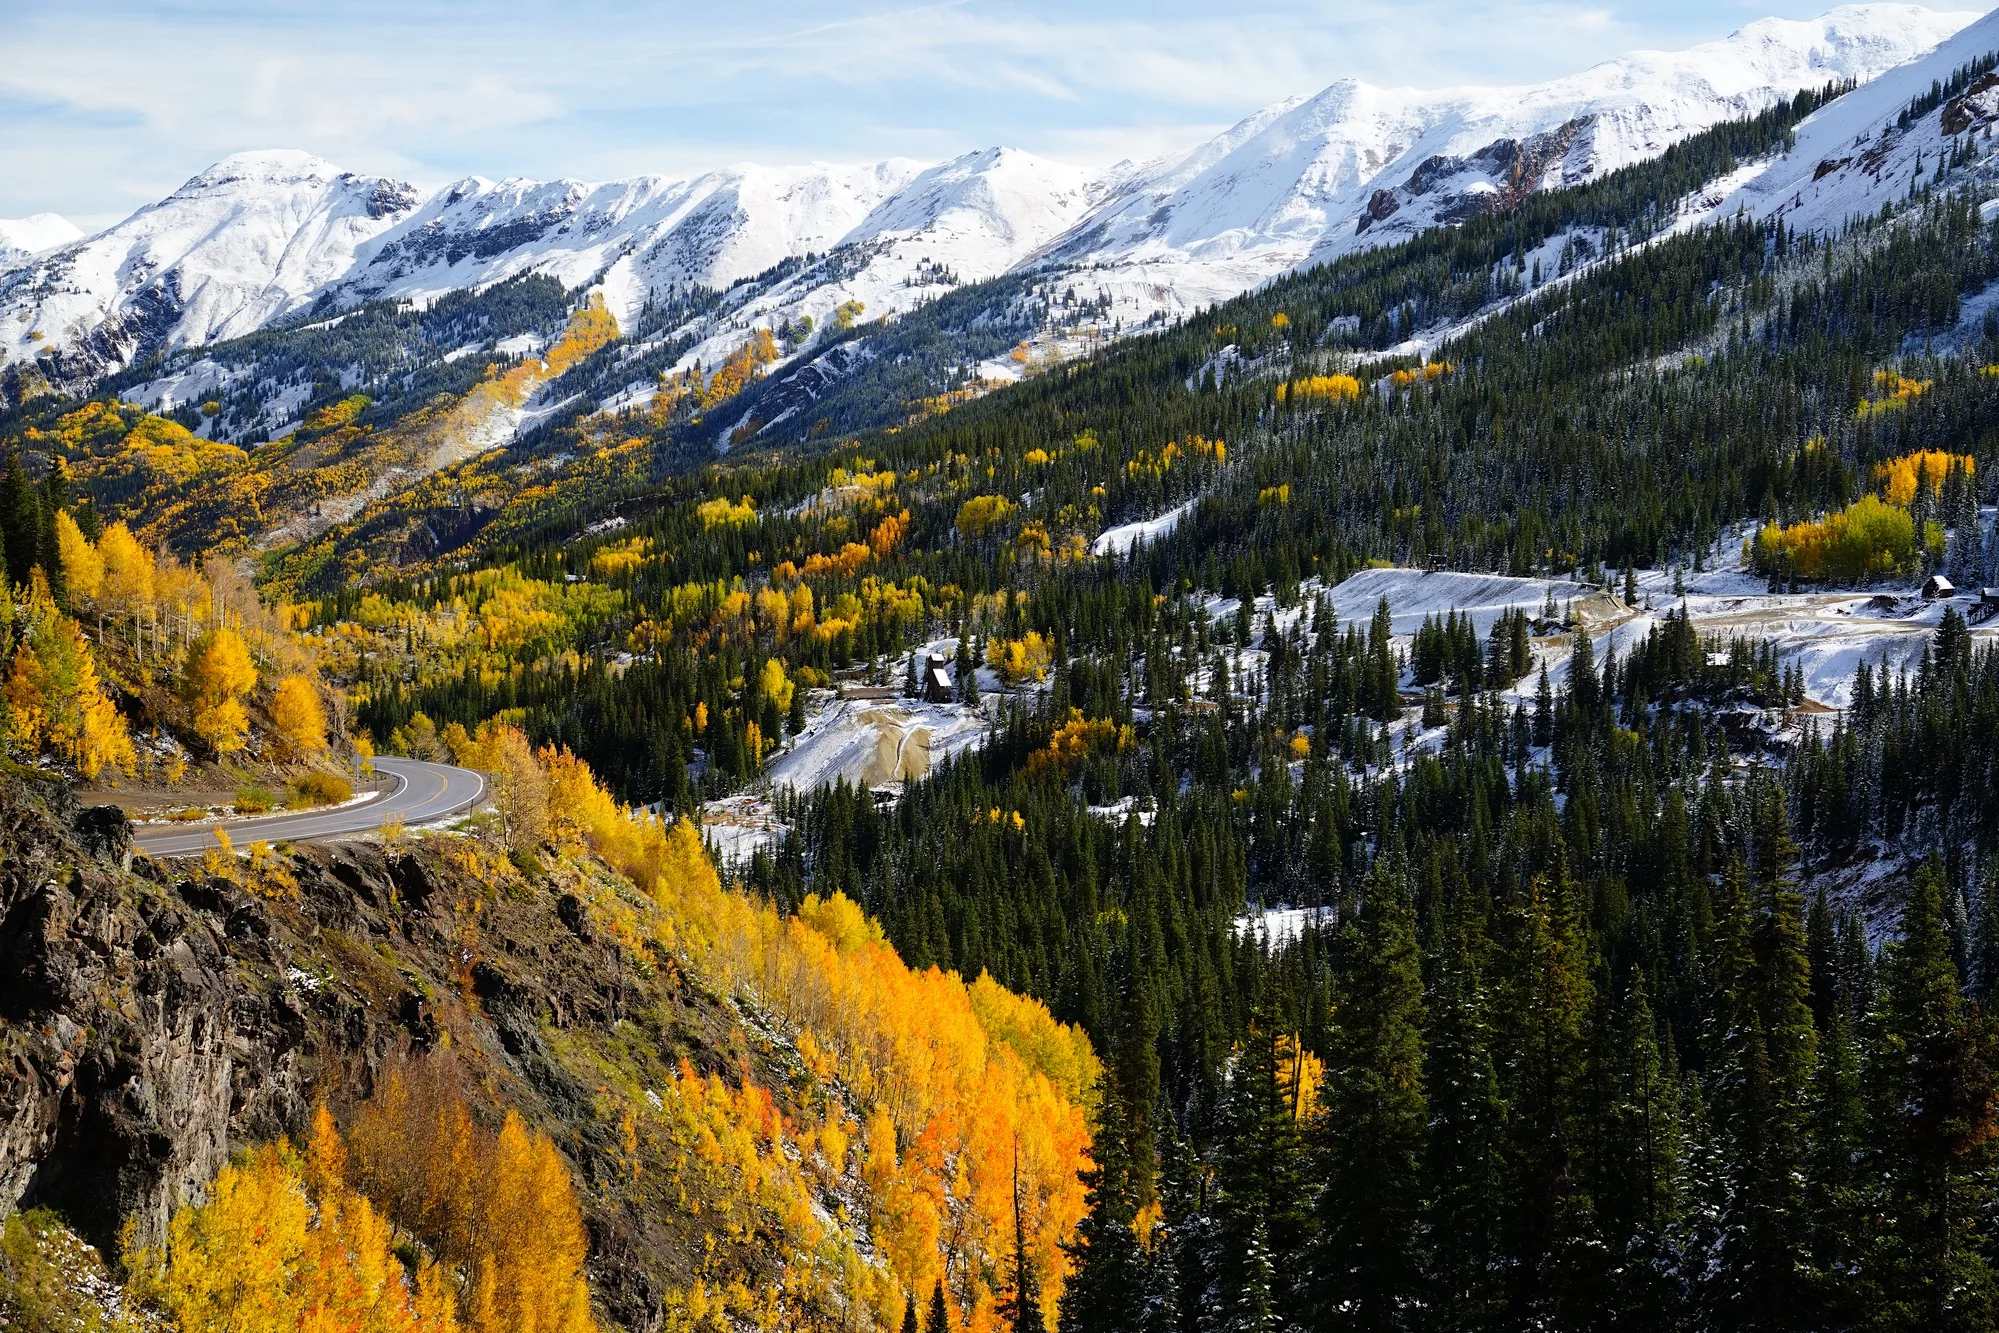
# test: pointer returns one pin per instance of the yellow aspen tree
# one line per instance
(271, 1251)
(520, 790)
(325, 1154)
(217, 675)
(436, 1305)
(82, 568)
(776, 686)
(27, 716)
(536, 1237)
(298, 718)
(486, 1297)
(128, 570)
(55, 697)
(233, 1262)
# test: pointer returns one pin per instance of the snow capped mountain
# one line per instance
(1858, 153)
(260, 236)
(965, 220)
(1309, 179)
(21, 238)
(247, 240)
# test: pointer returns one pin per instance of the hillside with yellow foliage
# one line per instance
(162, 683)
(173, 485)
(936, 1102)
(585, 1083)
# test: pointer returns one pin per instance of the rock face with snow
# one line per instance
(1867, 148)
(1313, 178)
(659, 233)
(264, 235)
(250, 239)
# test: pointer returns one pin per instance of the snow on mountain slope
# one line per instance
(247, 240)
(965, 220)
(1309, 179)
(890, 234)
(22, 237)
(711, 231)
(263, 235)
(1855, 154)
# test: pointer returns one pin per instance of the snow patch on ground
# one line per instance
(1413, 595)
(190, 384)
(738, 827)
(1282, 924)
(1121, 539)
(877, 743)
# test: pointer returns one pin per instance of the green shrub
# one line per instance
(254, 800)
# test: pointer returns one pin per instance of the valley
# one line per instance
(1388, 721)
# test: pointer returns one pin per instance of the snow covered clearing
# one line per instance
(865, 742)
(1414, 594)
(1121, 539)
(876, 743)
(1283, 923)
(738, 827)
(1826, 632)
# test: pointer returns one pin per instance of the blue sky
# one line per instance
(108, 106)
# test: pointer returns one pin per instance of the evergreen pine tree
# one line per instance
(1835, 1193)
(1258, 1170)
(21, 523)
(1106, 1285)
(1366, 1267)
(1822, 954)
(1183, 1248)
(1467, 1134)
(1750, 1279)
(1929, 1090)
(54, 501)
(1543, 994)
(1640, 1199)
(967, 672)
(1983, 982)
(1022, 1307)
(1253, 1305)
(1544, 709)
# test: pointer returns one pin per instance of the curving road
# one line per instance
(423, 793)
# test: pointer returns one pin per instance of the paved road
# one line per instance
(423, 793)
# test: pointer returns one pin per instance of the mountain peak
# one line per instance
(265, 166)
(37, 232)
(1303, 180)
(1310, 178)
